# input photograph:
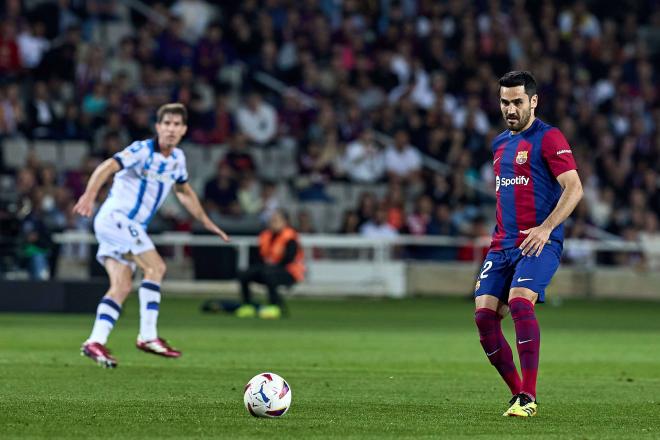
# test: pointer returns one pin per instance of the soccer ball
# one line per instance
(267, 395)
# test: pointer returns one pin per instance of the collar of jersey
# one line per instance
(154, 145)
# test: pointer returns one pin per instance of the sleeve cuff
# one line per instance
(121, 164)
(182, 180)
(561, 169)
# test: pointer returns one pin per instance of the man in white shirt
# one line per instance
(257, 120)
(403, 161)
(378, 226)
(144, 173)
(364, 160)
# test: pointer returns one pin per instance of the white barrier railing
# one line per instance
(381, 247)
(375, 269)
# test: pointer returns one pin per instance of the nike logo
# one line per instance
(490, 354)
(520, 280)
(496, 159)
(525, 342)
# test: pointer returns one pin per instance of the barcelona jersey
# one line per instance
(526, 166)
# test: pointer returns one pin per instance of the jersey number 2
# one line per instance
(487, 265)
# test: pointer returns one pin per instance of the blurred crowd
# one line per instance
(401, 93)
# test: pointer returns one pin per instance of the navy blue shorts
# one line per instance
(508, 268)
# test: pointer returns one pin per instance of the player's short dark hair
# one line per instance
(174, 108)
(520, 78)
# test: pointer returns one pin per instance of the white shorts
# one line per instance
(117, 236)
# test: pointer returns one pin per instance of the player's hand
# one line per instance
(216, 230)
(535, 241)
(85, 205)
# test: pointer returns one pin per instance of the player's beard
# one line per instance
(521, 122)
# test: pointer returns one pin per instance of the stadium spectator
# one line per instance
(220, 192)
(249, 195)
(211, 53)
(70, 126)
(316, 170)
(402, 161)
(378, 226)
(36, 241)
(10, 61)
(217, 125)
(124, 62)
(257, 120)
(419, 221)
(40, 113)
(32, 44)
(195, 15)
(364, 160)
(12, 110)
(270, 201)
(238, 158)
(394, 201)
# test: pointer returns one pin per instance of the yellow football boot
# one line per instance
(246, 311)
(521, 406)
(270, 312)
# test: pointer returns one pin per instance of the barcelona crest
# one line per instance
(521, 158)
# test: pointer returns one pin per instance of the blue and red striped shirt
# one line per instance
(526, 167)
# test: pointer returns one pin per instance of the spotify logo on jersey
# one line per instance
(506, 181)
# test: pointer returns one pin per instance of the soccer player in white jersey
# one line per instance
(144, 173)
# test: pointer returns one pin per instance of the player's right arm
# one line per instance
(85, 204)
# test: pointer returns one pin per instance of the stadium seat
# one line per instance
(318, 212)
(287, 158)
(47, 152)
(259, 160)
(337, 190)
(197, 168)
(73, 153)
(14, 152)
(215, 153)
(334, 217)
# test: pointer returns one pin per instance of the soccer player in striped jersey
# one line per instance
(537, 187)
(144, 173)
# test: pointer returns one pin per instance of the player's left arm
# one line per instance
(572, 194)
(190, 201)
(559, 158)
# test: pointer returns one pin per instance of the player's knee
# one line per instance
(156, 271)
(482, 319)
(120, 290)
(521, 292)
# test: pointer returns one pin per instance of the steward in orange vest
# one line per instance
(283, 260)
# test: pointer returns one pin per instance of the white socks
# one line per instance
(149, 304)
(107, 314)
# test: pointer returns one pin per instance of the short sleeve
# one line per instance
(133, 155)
(182, 176)
(415, 159)
(557, 153)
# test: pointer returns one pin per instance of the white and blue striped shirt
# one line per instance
(144, 181)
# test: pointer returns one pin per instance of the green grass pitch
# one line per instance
(357, 368)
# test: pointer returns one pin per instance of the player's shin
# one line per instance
(149, 306)
(496, 347)
(528, 342)
(107, 313)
